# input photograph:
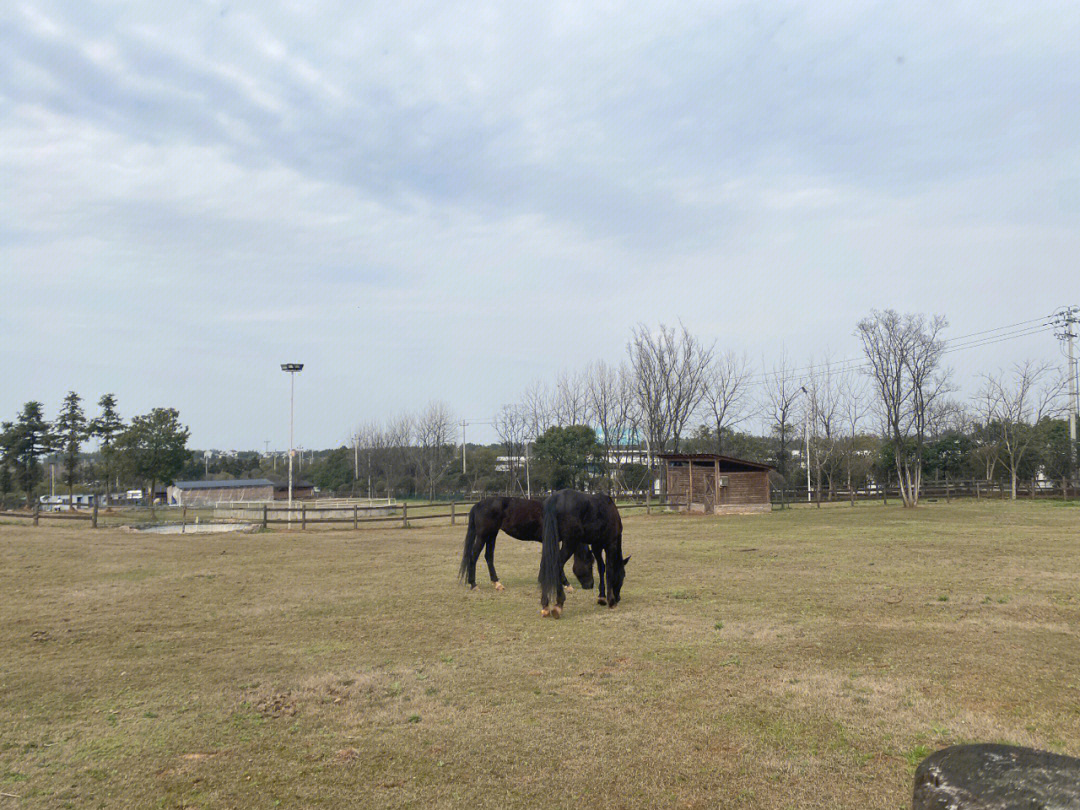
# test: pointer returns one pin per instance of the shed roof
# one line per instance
(726, 463)
(234, 483)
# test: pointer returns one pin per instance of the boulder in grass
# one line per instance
(996, 777)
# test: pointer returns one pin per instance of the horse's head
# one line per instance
(583, 568)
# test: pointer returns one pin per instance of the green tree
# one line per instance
(70, 430)
(564, 455)
(105, 428)
(154, 447)
(27, 441)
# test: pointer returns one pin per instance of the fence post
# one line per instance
(265, 510)
(355, 516)
(453, 512)
(303, 516)
(37, 509)
(183, 519)
(93, 516)
(648, 501)
(404, 515)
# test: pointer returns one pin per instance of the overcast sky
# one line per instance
(450, 201)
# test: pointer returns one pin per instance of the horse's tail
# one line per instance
(466, 554)
(550, 570)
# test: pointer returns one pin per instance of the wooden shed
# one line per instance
(714, 485)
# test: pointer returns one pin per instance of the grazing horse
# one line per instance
(574, 521)
(521, 518)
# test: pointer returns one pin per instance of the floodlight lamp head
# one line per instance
(292, 367)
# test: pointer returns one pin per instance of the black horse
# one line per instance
(521, 518)
(574, 521)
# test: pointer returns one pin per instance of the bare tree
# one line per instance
(987, 450)
(669, 368)
(904, 355)
(511, 425)
(570, 403)
(727, 393)
(399, 438)
(782, 390)
(611, 411)
(435, 434)
(855, 404)
(1018, 401)
(822, 385)
(538, 408)
(370, 440)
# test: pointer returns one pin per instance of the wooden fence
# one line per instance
(932, 490)
(36, 515)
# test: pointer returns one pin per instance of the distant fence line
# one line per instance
(346, 512)
(965, 488)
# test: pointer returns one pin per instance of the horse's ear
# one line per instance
(626, 559)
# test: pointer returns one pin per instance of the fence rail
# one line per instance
(36, 515)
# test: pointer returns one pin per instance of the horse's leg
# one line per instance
(474, 556)
(566, 583)
(489, 556)
(601, 579)
(611, 577)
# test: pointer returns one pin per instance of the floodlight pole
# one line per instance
(292, 369)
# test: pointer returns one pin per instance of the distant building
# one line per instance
(714, 484)
(60, 503)
(208, 493)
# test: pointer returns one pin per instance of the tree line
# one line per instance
(151, 448)
(888, 418)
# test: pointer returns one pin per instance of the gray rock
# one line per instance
(996, 777)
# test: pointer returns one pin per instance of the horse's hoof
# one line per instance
(544, 613)
(611, 604)
(601, 601)
(556, 612)
(499, 586)
(569, 589)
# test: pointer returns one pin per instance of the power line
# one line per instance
(973, 340)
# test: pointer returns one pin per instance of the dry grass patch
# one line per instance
(804, 659)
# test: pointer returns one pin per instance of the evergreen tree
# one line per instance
(105, 428)
(70, 431)
(27, 441)
(154, 447)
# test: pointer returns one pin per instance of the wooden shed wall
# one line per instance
(745, 491)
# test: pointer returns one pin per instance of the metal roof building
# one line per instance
(208, 493)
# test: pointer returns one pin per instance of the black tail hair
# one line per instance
(550, 570)
(470, 536)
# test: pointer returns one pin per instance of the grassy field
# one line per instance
(804, 659)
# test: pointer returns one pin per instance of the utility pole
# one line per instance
(1067, 318)
(292, 369)
(528, 481)
(463, 425)
(806, 435)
